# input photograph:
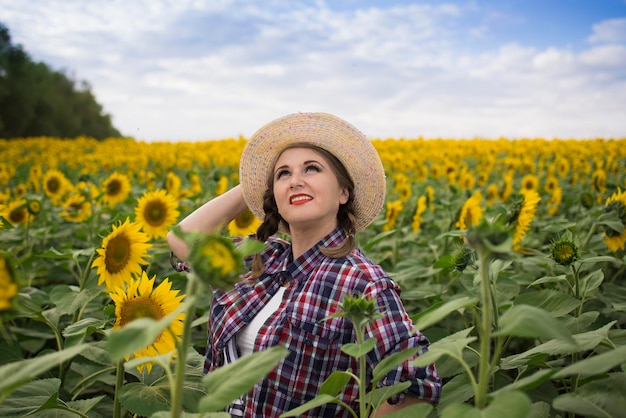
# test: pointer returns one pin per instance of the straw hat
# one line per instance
(326, 131)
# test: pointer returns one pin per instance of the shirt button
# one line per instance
(246, 318)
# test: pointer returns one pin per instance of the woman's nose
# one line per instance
(296, 180)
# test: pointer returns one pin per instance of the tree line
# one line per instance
(36, 100)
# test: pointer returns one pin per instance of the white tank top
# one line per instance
(247, 336)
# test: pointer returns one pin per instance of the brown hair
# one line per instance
(345, 215)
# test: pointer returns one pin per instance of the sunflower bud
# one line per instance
(358, 309)
(462, 257)
(564, 250)
(33, 206)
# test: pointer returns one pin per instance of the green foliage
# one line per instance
(38, 101)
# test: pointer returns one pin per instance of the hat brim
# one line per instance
(348, 144)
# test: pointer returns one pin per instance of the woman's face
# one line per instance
(306, 190)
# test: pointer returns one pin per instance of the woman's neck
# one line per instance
(303, 239)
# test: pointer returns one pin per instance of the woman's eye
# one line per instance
(313, 167)
(281, 173)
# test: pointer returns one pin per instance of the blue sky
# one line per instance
(183, 70)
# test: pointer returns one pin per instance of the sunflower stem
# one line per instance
(485, 332)
(119, 381)
(182, 345)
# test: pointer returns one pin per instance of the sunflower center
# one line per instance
(117, 254)
(114, 187)
(140, 307)
(244, 220)
(155, 213)
(17, 216)
(53, 185)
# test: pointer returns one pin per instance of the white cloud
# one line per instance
(186, 70)
(610, 31)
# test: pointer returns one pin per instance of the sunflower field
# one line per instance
(511, 254)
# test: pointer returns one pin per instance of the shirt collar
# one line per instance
(310, 259)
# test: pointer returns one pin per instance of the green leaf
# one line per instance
(438, 312)
(420, 410)
(17, 373)
(391, 362)
(222, 389)
(319, 400)
(602, 259)
(555, 302)
(549, 279)
(140, 333)
(378, 238)
(379, 395)
(30, 397)
(85, 405)
(604, 398)
(249, 246)
(359, 350)
(452, 345)
(456, 391)
(596, 364)
(584, 342)
(527, 383)
(335, 383)
(144, 400)
(591, 282)
(510, 404)
(69, 299)
(84, 327)
(531, 322)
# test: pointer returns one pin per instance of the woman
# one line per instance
(319, 180)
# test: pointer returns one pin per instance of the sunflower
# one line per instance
(492, 194)
(393, 211)
(139, 299)
(598, 180)
(156, 211)
(216, 261)
(172, 183)
(471, 212)
(222, 185)
(8, 285)
(116, 189)
(76, 208)
(33, 206)
(16, 212)
(122, 254)
(34, 177)
(196, 186)
(55, 185)
(524, 213)
(430, 197)
(417, 216)
(556, 197)
(244, 224)
(564, 250)
(551, 184)
(530, 182)
(20, 190)
(616, 240)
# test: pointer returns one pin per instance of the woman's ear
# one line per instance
(344, 194)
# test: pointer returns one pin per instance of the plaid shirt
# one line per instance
(317, 285)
